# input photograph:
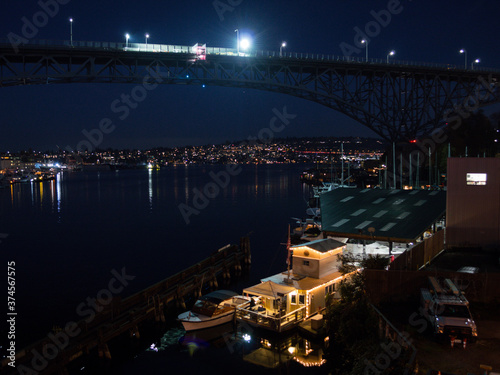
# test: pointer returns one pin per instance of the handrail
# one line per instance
(403, 337)
(175, 48)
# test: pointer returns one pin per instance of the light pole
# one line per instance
(364, 41)
(392, 53)
(147, 37)
(71, 31)
(476, 61)
(127, 36)
(465, 55)
(283, 45)
(237, 40)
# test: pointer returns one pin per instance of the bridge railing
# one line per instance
(171, 48)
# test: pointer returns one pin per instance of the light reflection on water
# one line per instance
(88, 223)
(243, 352)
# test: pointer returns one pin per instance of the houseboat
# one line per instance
(282, 301)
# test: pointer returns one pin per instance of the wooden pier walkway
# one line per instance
(52, 354)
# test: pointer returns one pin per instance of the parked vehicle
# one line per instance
(447, 309)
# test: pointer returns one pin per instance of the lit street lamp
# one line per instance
(283, 45)
(476, 61)
(245, 44)
(465, 53)
(127, 36)
(237, 40)
(392, 53)
(365, 42)
(147, 37)
(71, 31)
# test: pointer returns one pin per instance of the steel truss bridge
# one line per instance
(399, 101)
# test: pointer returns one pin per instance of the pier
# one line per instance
(118, 317)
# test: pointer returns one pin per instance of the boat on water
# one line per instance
(212, 309)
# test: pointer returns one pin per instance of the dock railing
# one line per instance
(273, 322)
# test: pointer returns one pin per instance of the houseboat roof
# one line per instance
(299, 282)
(322, 245)
(269, 289)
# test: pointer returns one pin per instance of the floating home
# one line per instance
(282, 301)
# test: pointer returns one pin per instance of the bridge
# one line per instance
(398, 100)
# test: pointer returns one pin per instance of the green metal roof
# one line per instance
(398, 214)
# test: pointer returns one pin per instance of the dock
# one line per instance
(53, 353)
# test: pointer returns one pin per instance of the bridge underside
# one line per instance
(398, 102)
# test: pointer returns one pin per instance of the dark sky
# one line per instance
(42, 117)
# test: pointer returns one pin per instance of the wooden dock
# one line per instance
(124, 316)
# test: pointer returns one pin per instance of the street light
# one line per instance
(392, 53)
(245, 44)
(283, 45)
(127, 36)
(71, 31)
(476, 61)
(364, 41)
(465, 53)
(147, 37)
(237, 40)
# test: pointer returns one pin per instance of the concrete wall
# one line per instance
(473, 212)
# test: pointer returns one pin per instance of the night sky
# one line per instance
(44, 117)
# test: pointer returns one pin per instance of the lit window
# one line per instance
(476, 178)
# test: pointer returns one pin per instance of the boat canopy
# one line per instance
(218, 296)
(269, 289)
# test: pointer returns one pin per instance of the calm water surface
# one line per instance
(67, 235)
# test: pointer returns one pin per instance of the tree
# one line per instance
(351, 322)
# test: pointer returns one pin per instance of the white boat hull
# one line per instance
(194, 322)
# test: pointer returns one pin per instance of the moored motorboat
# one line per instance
(212, 309)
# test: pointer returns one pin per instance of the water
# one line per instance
(67, 235)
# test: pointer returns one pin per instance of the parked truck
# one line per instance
(447, 309)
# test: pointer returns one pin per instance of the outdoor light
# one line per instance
(465, 55)
(283, 45)
(147, 37)
(247, 337)
(71, 31)
(476, 61)
(365, 42)
(245, 44)
(127, 36)
(392, 53)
